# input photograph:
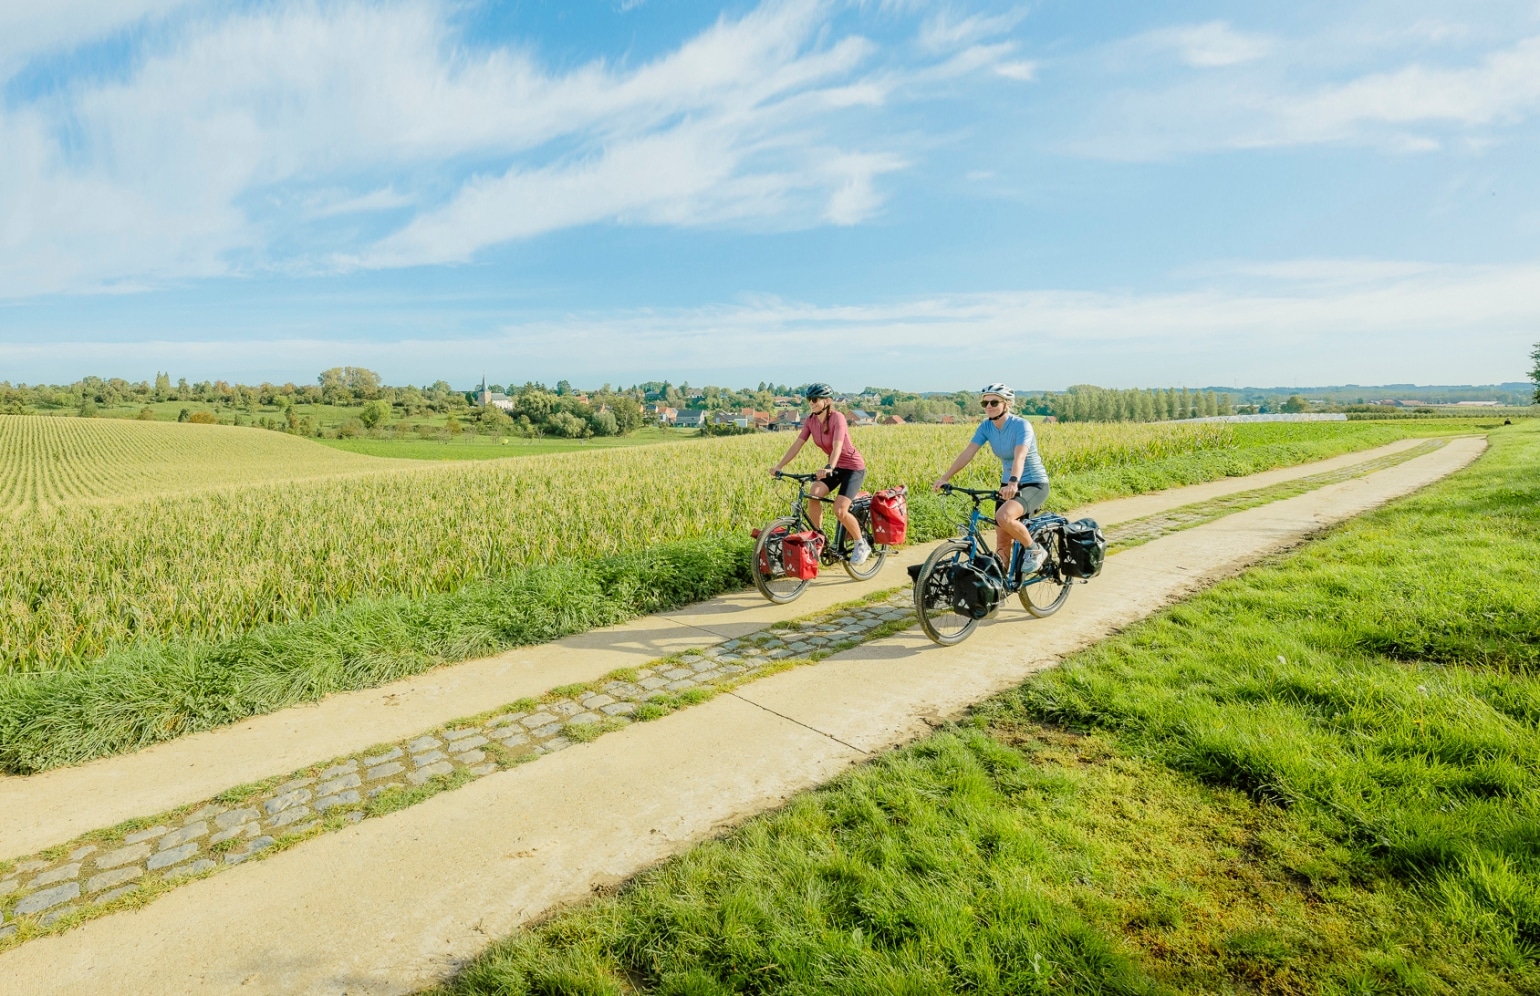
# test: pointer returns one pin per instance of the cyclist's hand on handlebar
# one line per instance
(1008, 491)
(775, 472)
(821, 473)
(942, 486)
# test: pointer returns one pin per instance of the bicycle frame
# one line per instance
(833, 545)
(1012, 580)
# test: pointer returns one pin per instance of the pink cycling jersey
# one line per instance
(823, 436)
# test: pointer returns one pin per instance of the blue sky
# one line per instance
(924, 195)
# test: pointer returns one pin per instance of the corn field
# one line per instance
(85, 573)
(52, 461)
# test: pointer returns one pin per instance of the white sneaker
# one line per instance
(1035, 558)
(860, 553)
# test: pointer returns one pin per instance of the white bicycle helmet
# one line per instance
(999, 390)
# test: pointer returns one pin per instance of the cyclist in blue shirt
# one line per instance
(1023, 478)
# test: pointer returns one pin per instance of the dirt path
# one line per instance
(391, 904)
(56, 806)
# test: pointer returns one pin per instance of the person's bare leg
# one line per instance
(1009, 529)
(843, 513)
(815, 508)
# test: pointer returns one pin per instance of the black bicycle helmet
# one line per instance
(816, 391)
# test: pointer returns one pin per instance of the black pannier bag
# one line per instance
(976, 592)
(1084, 549)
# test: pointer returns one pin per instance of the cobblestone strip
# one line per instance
(130, 864)
(1137, 532)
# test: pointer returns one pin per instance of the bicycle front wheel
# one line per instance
(933, 596)
(873, 564)
(769, 569)
(1045, 597)
(862, 513)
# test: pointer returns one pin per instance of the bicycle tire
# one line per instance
(778, 589)
(933, 596)
(1044, 598)
(873, 564)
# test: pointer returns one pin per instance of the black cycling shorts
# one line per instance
(1031, 496)
(845, 481)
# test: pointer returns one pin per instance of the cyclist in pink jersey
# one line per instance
(844, 471)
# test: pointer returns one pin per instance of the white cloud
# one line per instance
(1504, 86)
(333, 204)
(856, 198)
(1341, 272)
(945, 30)
(223, 136)
(1288, 322)
(1021, 71)
(1410, 109)
(1371, 322)
(1208, 46)
(33, 27)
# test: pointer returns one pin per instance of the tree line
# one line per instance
(1089, 403)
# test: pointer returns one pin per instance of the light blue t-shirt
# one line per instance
(1016, 431)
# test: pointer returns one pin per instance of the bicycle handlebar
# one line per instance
(797, 477)
(973, 493)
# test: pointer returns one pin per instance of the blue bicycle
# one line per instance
(962, 581)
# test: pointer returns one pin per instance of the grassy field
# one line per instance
(500, 447)
(138, 620)
(1320, 777)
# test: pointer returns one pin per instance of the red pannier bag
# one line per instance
(890, 515)
(800, 553)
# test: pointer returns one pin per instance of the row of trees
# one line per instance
(345, 386)
(1089, 403)
(567, 412)
(537, 410)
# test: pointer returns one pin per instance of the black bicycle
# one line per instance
(962, 582)
(770, 575)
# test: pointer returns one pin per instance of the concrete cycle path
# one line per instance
(43, 810)
(396, 903)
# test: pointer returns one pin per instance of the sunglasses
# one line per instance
(994, 404)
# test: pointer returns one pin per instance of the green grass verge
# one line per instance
(150, 691)
(1320, 777)
(154, 692)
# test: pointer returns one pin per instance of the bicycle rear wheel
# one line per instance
(1043, 598)
(769, 570)
(933, 596)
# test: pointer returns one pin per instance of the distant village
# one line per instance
(787, 416)
(692, 410)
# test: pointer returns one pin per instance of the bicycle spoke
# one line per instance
(933, 597)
